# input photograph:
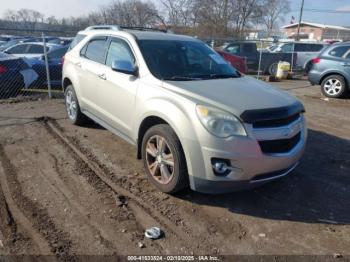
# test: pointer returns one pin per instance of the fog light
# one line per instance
(221, 167)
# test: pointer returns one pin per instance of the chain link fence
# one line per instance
(31, 65)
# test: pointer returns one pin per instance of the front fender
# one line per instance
(180, 119)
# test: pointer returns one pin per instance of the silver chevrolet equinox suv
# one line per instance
(194, 119)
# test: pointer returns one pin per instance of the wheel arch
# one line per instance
(165, 112)
(335, 73)
(65, 83)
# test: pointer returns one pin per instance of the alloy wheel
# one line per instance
(71, 105)
(160, 159)
(333, 87)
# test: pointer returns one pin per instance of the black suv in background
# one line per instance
(331, 70)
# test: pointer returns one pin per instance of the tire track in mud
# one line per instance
(33, 218)
(97, 173)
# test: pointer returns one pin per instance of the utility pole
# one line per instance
(300, 18)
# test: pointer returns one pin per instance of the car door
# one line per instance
(346, 63)
(118, 90)
(92, 57)
(34, 51)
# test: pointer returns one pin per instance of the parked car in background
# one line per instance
(55, 61)
(11, 79)
(305, 52)
(240, 63)
(61, 41)
(15, 41)
(248, 49)
(331, 70)
(30, 50)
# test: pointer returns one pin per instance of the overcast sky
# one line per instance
(66, 8)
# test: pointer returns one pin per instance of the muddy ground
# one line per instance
(69, 191)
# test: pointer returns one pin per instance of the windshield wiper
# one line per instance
(182, 78)
(218, 76)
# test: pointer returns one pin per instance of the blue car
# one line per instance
(55, 59)
(11, 77)
(331, 70)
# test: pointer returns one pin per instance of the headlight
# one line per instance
(220, 123)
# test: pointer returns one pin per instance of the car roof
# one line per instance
(38, 43)
(140, 34)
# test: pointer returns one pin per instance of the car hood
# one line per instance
(235, 95)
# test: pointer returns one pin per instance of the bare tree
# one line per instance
(180, 13)
(244, 12)
(273, 11)
(127, 12)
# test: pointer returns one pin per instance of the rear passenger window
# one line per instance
(316, 48)
(36, 49)
(119, 50)
(95, 50)
(339, 51)
(249, 48)
(301, 48)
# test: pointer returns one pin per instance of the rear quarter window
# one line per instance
(76, 40)
(339, 51)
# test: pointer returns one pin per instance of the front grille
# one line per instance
(279, 146)
(276, 122)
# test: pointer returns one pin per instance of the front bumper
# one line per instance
(250, 166)
(221, 187)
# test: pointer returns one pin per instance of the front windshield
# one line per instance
(184, 61)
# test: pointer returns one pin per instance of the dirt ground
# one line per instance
(69, 191)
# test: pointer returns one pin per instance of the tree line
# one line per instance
(204, 18)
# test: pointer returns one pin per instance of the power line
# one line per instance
(325, 11)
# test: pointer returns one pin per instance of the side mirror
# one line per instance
(125, 67)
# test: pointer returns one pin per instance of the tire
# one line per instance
(333, 86)
(272, 69)
(72, 107)
(175, 178)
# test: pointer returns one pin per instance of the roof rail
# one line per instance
(119, 28)
(140, 28)
(103, 27)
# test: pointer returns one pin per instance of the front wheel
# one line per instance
(334, 86)
(164, 159)
(73, 108)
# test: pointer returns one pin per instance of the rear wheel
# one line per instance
(73, 108)
(334, 86)
(164, 159)
(272, 70)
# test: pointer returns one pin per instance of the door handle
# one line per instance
(78, 64)
(346, 64)
(102, 76)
